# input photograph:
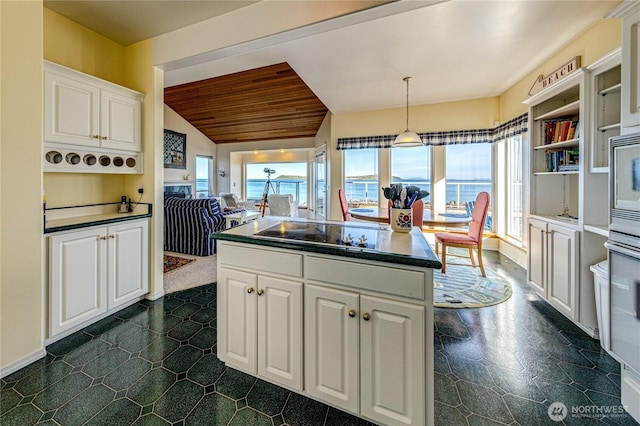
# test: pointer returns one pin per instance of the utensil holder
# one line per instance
(401, 220)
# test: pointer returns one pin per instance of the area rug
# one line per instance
(194, 274)
(174, 262)
(465, 287)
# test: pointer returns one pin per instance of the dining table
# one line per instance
(429, 217)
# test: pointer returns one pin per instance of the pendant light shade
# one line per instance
(407, 138)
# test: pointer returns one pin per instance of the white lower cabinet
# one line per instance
(331, 328)
(365, 354)
(392, 361)
(331, 337)
(96, 270)
(553, 264)
(259, 327)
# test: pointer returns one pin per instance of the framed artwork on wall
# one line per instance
(175, 150)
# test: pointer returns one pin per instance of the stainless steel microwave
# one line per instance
(624, 175)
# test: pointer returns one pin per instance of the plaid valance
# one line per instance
(456, 137)
(510, 128)
(362, 142)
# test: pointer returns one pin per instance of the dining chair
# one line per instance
(473, 238)
(417, 211)
(344, 205)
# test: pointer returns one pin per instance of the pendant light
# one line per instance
(407, 138)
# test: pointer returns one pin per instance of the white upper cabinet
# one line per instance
(90, 125)
(120, 121)
(605, 87)
(71, 111)
(630, 66)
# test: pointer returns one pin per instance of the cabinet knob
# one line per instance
(366, 316)
(250, 290)
(260, 292)
(352, 313)
(112, 236)
(103, 237)
(95, 136)
(105, 138)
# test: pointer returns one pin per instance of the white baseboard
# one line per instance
(12, 368)
(155, 296)
(516, 254)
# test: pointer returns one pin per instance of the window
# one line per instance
(204, 176)
(287, 178)
(468, 172)
(412, 166)
(514, 187)
(361, 177)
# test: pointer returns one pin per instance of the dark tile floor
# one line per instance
(154, 363)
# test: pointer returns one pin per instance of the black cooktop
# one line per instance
(325, 233)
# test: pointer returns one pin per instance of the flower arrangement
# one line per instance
(403, 198)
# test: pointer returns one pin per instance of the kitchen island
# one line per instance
(341, 312)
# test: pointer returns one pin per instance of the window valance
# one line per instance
(511, 128)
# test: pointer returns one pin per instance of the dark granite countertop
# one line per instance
(392, 247)
(78, 217)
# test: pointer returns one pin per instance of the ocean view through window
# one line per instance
(468, 171)
(361, 184)
(289, 178)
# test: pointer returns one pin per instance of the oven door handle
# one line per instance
(618, 248)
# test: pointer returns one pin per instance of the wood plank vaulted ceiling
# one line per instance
(261, 104)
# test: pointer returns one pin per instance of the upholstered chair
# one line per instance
(231, 201)
(473, 238)
(282, 205)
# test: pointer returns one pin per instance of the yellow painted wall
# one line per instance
(72, 45)
(142, 76)
(597, 41)
(21, 261)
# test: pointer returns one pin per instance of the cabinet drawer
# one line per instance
(260, 260)
(368, 277)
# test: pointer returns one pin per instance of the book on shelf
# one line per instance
(565, 130)
(559, 131)
(563, 160)
(568, 167)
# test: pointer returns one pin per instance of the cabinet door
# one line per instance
(128, 262)
(562, 269)
(120, 121)
(392, 354)
(631, 69)
(71, 111)
(237, 309)
(280, 331)
(77, 278)
(535, 255)
(331, 346)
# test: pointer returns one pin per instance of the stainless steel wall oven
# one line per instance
(624, 263)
